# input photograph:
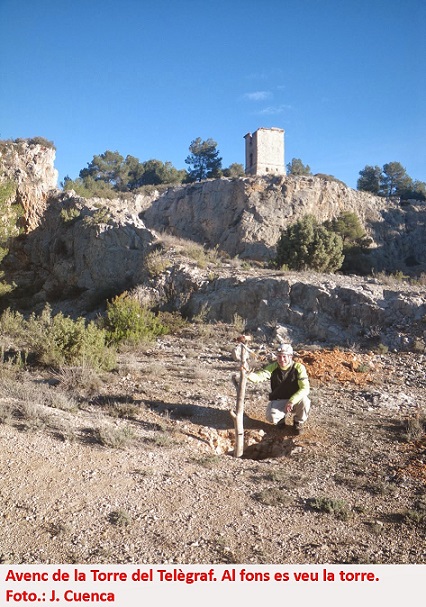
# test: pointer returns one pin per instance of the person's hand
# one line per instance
(288, 408)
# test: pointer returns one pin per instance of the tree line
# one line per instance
(110, 172)
(390, 180)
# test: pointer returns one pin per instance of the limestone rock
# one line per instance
(31, 166)
(84, 252)
(314, 308)
(245, 217)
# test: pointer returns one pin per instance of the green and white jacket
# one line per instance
(290, 383)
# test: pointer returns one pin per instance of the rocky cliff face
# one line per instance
(31, 166)
(245, 217)
(302, 307)
(83, 252)
(86, 251)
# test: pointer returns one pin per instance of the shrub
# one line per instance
(7, 191)
(308, 245)
(356, 243)
(329, 178)
(33, 141)
(113, 436)
(121, 518)
(381, 349)
(273, 496)
(173, 321)
(99, 217)
(81, 382)
(89, 188)
(156, 263)
(10, 215)
(348, 226)
(70, 215)
(41, 141)
(415, 427)
(417, 514)
(329, 505)
(12, 324)
(128, 322)
(59, 340)
(202, 256)
(75, 343)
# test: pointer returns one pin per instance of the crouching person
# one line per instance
(289, 388)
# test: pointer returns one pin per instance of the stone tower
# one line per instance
(265, 152)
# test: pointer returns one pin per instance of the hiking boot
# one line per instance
(298, 428)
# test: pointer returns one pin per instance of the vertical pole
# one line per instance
(238, 415)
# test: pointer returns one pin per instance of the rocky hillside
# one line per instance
(83, 251)
(245, 216)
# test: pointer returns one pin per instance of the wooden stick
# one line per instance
(238, 415)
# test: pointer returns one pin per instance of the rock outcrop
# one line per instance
(31, 166)
(244, 217)
(314, 308)
(303, 307)
(83, 252)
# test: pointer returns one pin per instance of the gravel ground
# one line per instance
(137, 466)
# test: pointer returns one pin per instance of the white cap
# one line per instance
(285, 349)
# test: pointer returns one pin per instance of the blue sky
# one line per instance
(345, 79)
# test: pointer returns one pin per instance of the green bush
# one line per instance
(7, 191)
(308, 245)
(89, 188)
(70, 215)
(58, 340)
(12, 327)
(41, 141)
(100, 216)
(173, 321)
(348, 226)
(356, 243)
(156, 263)
(34, 141)
(330, 505)
(128, 322)
(329, 178)
(11, 214)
